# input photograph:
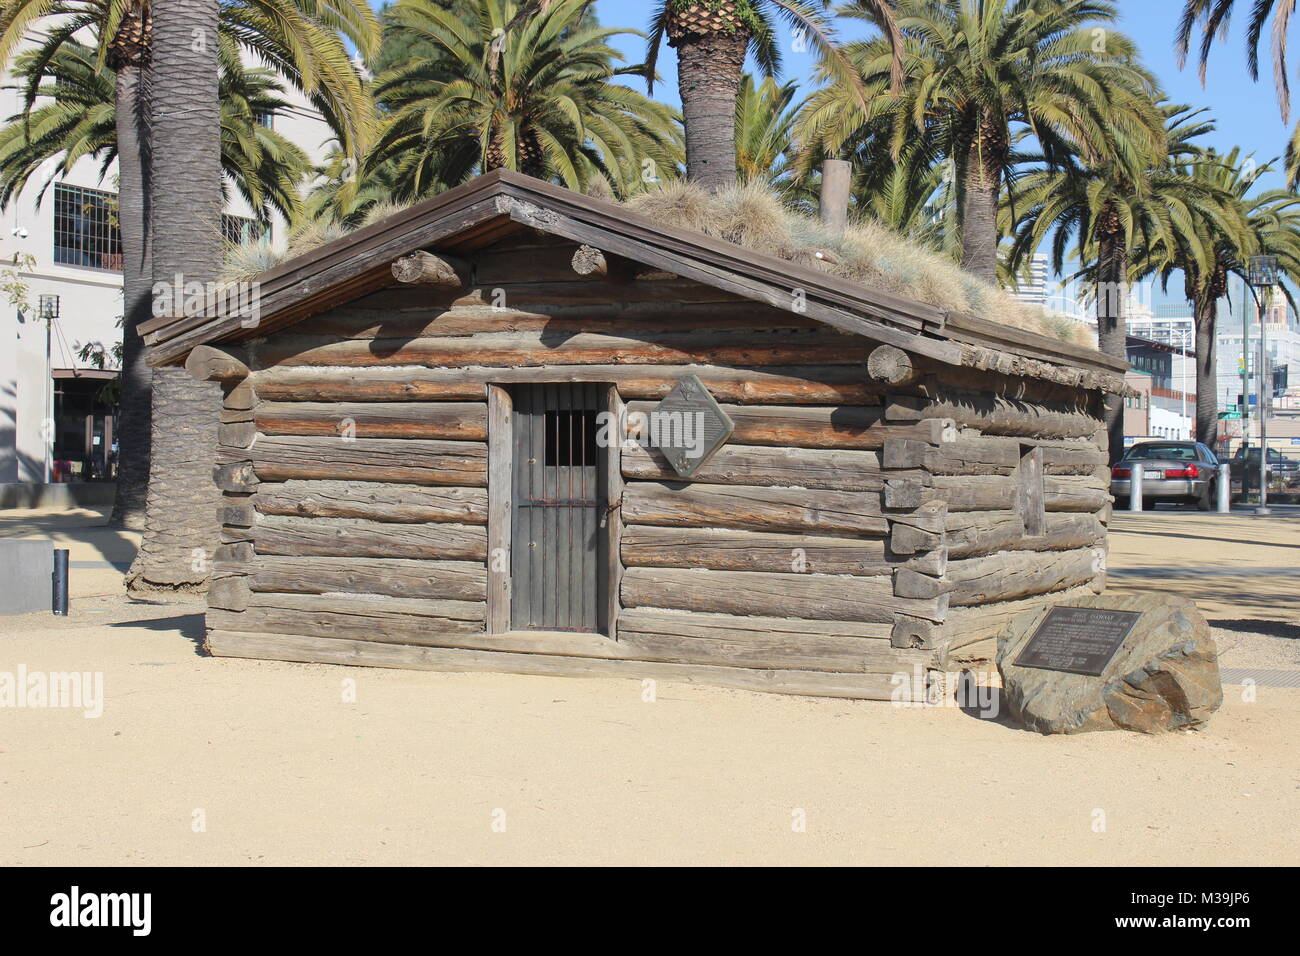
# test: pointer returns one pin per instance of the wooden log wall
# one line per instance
(827, 547)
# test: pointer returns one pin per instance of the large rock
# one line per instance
(1165, 675)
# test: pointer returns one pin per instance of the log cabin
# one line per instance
(439, 449)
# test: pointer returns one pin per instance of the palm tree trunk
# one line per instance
(1207, 372)
(1112, 325)
(979, 222)
(181, 529)
(709, 68)
(135, 410)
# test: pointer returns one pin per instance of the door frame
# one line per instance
(501, 505)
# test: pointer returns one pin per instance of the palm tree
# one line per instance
(302, 40)
(1216, 244)
(713, 39)
(979, 74)
(1213, 17)
(77, 119)
(181, 527)
(765, 116)
(1105, 209)
(540, 98)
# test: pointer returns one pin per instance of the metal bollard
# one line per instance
(1224, 489)
(60, 604)
(1135, 487)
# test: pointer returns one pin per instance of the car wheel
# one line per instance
(1206, 501)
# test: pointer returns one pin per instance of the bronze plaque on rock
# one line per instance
(1078, 640)
(688, 426)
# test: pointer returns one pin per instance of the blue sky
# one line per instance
(1246, 112)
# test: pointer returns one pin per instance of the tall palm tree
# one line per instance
(304, 41)
(713, 39)
(980, 73)
(181, 529)
(765, 116)
(1216, 244)
(77, 119)
(1104, 210)
(1213, 17)
(541, 98)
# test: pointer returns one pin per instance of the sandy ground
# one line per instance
(204, 761)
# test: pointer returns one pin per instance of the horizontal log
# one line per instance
(994, 492)
(376, 501)
(463, 421)
(973, 492)
(512, 349)
(1067, 493)
(396, 577)
(844, 426)
(1010, 575)
(208, 364)
(364, 617)
(285, 457)
(350, 537)
(808, 385)
(437, 319)
(997, 414)
(553, 287)
(991, 456)
(811, 596)
(754, 508)
(287, 647)
(766, 642)
(830, 469)
(726, 550)
(970, 534)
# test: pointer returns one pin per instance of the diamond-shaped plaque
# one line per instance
(688, 426)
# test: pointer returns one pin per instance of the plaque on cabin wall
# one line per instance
(1078, 640)
(688, 426)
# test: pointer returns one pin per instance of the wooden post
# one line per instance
(891, 365)
(500, 484)
(427, 269)
(614, 510)
(207, 364)
(837, 175)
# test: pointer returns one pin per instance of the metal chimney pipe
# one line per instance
(837, 176)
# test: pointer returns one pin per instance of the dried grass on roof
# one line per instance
(867, 253)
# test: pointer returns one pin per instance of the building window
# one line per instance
(239, 230)
(86, 230)
(264, 118)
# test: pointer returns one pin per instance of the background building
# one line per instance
(57, 358)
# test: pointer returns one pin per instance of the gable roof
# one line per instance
(490, 207)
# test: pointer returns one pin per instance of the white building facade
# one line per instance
(57, 354)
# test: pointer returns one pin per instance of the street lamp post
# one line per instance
(1262, 274)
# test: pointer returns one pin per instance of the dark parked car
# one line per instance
(1178, 471)
(1245, 464)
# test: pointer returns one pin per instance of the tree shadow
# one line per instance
(1283, 629)
(189, 626)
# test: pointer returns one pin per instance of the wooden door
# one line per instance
(558, 541)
